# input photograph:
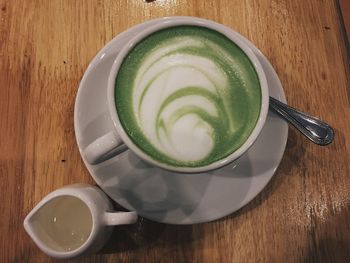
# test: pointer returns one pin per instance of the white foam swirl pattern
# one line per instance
(179, 95)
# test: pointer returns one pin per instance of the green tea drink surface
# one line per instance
(187, 96)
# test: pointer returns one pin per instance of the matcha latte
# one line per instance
(187, 96)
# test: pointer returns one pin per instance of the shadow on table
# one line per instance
(330, 242)
(329, 250)
(146, 233)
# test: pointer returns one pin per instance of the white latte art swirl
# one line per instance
(182, 96)
(183, 136)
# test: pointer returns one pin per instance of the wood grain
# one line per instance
(303, 215)
(345, 11)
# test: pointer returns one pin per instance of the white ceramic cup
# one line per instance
(114, 142)
(103, 220)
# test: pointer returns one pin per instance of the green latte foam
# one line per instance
(184, 80)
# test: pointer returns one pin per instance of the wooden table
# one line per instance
(303, 215)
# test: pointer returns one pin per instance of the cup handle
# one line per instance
(120, 218)
(104, 148)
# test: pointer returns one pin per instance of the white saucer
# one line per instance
(160, 195)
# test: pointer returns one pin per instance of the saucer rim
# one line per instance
(109, 46)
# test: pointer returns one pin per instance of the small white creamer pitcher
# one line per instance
(74, 220)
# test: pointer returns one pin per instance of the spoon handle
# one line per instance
(316, 130)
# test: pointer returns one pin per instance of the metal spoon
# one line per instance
(316, 130)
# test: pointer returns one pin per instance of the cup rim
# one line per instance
(234, 37)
